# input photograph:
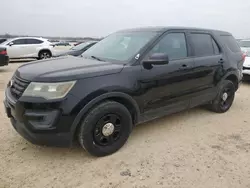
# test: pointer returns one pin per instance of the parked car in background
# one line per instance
(79, 49)
(245, 46)
(62, 44)
(28, 47)
(4, 58)
(78, 43)
(129, 77)
(2, 40)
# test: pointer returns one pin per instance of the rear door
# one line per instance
(208, 62)
(32, 47)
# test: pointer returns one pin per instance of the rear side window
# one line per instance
(204, 45)
(33, 41)
(231, 43)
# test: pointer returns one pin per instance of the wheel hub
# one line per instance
(108, 129)
(224, 96)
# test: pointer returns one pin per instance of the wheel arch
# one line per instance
(232, 76)
(44, 49)
(120, 97)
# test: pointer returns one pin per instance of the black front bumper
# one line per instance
(38, 126)
(4, 60)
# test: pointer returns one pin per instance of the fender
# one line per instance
(220, 76)
(100, 98)
(44, 49)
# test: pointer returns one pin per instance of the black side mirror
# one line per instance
(11, 44)
(156, 59)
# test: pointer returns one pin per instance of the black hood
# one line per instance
(65, 69)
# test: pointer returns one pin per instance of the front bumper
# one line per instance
(4, 60)
(42, 126)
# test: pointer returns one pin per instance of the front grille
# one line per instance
(18, 86)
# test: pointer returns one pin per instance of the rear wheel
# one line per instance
(45, 54)
(225, 97)
(105, 129)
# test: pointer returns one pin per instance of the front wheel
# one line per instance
(225, 97)
(105, 129)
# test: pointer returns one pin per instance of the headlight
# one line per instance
(49, 90)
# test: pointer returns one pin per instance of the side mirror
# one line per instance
(11, 43)
(156, 59)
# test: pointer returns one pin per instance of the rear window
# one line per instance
(231, 43)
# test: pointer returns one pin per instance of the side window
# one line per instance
(33, 41)
(19, 42)
(173, 44)
(216, 47)
(202, 44)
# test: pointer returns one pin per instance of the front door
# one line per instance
(167, 86)
(17, 49)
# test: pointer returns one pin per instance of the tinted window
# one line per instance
(173, 44)
(33, 41)
(19, 41)
(202, 44)
(231, 43)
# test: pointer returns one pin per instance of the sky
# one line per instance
(98, 18)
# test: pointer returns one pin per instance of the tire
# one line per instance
(95, 129)
(225, 97)
(44, 54)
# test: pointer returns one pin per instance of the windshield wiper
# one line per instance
(96, 58)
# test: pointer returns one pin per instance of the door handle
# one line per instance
(221, 61)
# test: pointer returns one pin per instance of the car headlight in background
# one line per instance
(49, 90)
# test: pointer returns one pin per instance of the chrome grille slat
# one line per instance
(18, 87)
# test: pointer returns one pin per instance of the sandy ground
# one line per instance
(192, 149)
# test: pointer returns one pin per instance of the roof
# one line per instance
(39, 38)
(163, 29)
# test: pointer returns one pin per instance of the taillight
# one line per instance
(244, 56)
(4, 52)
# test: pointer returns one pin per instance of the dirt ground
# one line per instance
(192, 149)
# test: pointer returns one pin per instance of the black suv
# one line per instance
(129, 77)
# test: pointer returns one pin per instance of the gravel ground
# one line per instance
(196, 148)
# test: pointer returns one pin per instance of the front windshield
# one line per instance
(245, 44)
(81, 46)
(120, 47)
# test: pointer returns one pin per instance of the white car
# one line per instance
(28, 47)
(245, 47)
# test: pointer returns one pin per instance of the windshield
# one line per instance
(81, 46)
(245, 44)
(120, 47)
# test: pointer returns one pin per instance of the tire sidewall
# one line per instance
(86, 137)
(223, 85)
(44, 51)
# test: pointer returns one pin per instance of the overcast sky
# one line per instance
(97, 18)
